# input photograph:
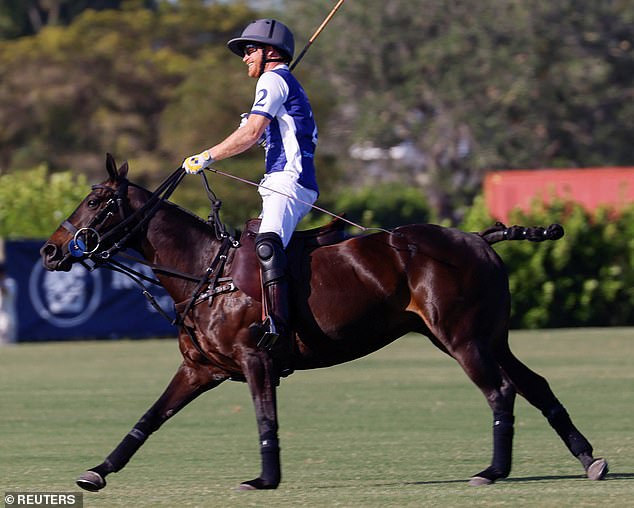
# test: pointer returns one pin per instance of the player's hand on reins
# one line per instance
(194, 164)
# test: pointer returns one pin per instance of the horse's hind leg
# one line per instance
(500, 394)
(536, 390)
(186, 385)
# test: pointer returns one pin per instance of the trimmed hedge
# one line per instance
(584, 279)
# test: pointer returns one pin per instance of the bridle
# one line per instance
(94, 243)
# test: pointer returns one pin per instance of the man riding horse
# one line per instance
(282, 120)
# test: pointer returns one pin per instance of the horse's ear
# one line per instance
(123, 170)
(111, 166)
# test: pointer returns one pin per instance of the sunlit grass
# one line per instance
(403, 427)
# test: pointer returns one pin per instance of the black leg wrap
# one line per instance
(103, 469)
(502, 451)
(560, 421)
(122, 453)
(502, 444)
(270, 451)
(271, 475)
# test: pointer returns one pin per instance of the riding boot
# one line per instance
(277, 337)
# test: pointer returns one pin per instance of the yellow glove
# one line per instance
(196, 163)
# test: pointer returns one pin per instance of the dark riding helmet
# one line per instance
(266, 32)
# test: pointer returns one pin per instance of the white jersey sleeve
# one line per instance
(270, 94)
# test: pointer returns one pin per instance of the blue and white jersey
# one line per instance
(291, 137)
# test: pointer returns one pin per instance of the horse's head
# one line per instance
(88, 232)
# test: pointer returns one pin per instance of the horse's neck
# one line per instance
(176, 239)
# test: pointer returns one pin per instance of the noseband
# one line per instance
(87, 240)
(90, 242)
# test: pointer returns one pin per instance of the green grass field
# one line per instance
(403, 427)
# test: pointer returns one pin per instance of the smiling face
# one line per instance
(253, 56)
(260, 58)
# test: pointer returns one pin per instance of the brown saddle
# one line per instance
(244, 268)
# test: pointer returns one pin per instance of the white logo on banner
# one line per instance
(65, 299)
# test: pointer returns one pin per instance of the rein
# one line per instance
(80, 245)
(318, 208)
(87, 241)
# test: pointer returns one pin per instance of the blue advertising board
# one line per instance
(81, 304)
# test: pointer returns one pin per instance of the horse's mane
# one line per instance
(171, 204)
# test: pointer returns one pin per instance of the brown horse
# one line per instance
(349, 298)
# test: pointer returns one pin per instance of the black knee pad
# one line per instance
(270, 252)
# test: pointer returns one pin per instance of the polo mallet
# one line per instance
(316, 34)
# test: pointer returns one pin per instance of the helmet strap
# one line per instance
(266, 60)
(262, 63)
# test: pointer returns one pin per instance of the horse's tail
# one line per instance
(499, 232)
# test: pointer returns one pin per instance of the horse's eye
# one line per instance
(92, 203)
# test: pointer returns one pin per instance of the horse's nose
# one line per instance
(48, 252)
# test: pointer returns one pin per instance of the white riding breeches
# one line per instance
(284, 204)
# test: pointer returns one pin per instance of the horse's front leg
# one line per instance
(262, 380)
(188, 382)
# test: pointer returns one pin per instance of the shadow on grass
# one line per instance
(610, 476)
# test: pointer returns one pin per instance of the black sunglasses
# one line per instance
(250, 49)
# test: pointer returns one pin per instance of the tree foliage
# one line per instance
(33, 203)
(461, 87)
(149, 86)
(102, 83)
(427, 95)
(27, 17)
(387, 205)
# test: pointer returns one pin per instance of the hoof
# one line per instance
(257, 484)
(598, 469)
(91, 481)
(478, 481)
(487, 477)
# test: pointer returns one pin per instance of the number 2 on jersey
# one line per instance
(260, 99)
